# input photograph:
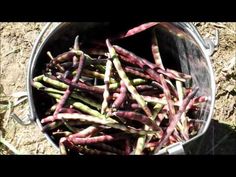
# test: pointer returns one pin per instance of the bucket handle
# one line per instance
(210, 44)
(174, 149)
(23, 121)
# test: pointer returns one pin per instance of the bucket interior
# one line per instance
(179, 50)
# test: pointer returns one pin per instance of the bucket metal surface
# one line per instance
(181, 47)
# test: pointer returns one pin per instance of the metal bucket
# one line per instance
(181, 47)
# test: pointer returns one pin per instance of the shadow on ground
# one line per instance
(3, 148)
(220, 139)
(1, 123)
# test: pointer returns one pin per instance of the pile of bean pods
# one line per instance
(116, 103)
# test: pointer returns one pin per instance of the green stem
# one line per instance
(126, 80)
(96, 75)
(55, 83)
(183, 127)
(142, 139)
(79, 106)
(114, 86)
(106, 93)
(74, 94)
(38, 78)
(155, 50)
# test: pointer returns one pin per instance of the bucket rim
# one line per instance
(191, 29)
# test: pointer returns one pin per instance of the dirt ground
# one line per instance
(16, 41)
